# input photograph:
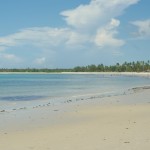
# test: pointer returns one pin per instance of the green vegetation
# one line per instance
(139, 66)
(46, 70)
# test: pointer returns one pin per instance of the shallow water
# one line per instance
(29, 90)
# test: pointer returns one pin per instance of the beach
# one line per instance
(139, 74)
(75, 75)
(117, 122)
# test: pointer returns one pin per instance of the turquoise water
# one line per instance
(42, 87)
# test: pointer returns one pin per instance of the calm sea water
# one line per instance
(39, 87)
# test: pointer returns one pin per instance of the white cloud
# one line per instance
(36, 36)
(93, 16)
(76, 39)
(10, 57)
(114, 23)
(88, 27)
(96, 13)
(40, 61)
(143, 28)
(106, 36)
(9, 60)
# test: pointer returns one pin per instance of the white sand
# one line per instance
(106, 124)
(141, 74)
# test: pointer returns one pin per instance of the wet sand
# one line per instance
(116, 123)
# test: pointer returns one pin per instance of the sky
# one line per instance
(69, 33)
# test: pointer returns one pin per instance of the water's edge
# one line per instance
(72, 99)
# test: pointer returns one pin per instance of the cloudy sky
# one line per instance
(68, 33)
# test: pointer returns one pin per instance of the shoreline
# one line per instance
(81, 100)
(112, 121)
(144, 74)
(140, 74)
(24, 105)
(107, 123)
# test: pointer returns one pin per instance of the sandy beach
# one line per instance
(116, 123)
(140, 74)
(75, 75)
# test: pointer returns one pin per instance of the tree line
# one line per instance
(139, 66)
(46, 70)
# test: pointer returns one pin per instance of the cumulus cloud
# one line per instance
(143, 28)
(93, 15)
(96, 13)
(91, 25)
(106, 36)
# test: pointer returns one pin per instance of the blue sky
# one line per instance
(64, 34)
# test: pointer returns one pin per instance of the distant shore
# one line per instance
(145, 74)
(142, 74)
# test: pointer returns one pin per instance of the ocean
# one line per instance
(18, 91)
